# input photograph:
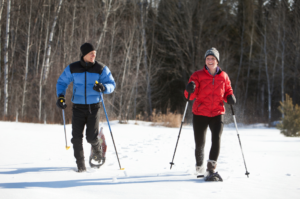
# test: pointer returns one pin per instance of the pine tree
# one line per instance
(290, 124)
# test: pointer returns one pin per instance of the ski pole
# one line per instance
(63, 112)
(187, 103)
(247, 173)
(110, 129)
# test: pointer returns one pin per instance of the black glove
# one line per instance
(231, 99)
(61, 102)
(190, 88)
(99, 87)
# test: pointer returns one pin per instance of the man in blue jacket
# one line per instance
(86, 99)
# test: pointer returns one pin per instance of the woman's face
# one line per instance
(211, 62)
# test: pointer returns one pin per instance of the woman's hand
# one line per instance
(231, 100)
(190, 88)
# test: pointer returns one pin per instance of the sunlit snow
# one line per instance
(35, 164)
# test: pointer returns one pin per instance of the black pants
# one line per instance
(84, 115)
(200, 124)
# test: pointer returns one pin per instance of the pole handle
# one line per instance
(232, 110)
(189, 96)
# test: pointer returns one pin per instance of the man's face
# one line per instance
(211, 62)
(90, 57)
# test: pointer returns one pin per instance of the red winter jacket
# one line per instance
(210, 92)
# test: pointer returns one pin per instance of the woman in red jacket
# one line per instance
(210, 87)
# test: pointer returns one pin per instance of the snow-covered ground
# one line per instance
(35, 164)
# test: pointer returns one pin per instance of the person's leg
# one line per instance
(200, 124)
(216, 127)
(78, 122)
(92, 130)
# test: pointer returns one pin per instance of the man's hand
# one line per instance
(61, 102)
(99, 87)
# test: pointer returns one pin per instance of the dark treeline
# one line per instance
(152, 47)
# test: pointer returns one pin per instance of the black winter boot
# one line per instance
(80, 165)
(96, 152)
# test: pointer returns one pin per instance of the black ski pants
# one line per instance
(200, 124)
(84, 115)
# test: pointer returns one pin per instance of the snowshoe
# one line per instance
(97, 156)
(211, 176)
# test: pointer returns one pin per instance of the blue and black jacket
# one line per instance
(83, 75)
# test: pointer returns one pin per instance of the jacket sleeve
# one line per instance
(195, 79)
(63, 82)
(228, 88)
(107, 80)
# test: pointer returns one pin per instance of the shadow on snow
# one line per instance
(90, 182)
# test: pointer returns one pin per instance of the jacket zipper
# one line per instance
(213, 83)
(85, 84)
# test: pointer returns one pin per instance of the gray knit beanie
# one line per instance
(214, 52)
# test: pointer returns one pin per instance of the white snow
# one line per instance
(35, 164)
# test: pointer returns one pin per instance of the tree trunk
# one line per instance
(40, 40)
(27, 58)
(47, 65)
(13, 50)
(241, 55)
(6, 59)
(262, 100)
(258, 82)
(1, 9)
(282, 67)
(249, 66)
(145, 59)
(102, 35)
(113, 33)
(43, 66)
(123, 77)
(275, 62)
(267, 75)
(72, 30)
(135, 82)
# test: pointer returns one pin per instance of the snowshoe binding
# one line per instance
(97, 156)
(212, 176)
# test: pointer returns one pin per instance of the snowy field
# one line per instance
(35, 164)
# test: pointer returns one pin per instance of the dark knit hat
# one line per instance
(86, 48)
(214, 52)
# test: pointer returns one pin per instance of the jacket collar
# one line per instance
(86, 65)
(219, 70)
